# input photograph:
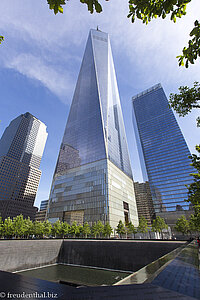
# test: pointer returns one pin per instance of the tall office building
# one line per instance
(93, 177)
(163, 151)
(21, 149)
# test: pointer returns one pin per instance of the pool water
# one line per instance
(75, 275)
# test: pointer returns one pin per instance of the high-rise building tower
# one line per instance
(163, 151)
(21, 149)
(144, 201)
(93, 177)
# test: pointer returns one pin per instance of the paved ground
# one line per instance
(182, 274)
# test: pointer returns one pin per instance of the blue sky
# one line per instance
(41, 56)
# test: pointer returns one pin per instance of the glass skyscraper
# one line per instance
(21, 149)
(162, 149)
(93, 177)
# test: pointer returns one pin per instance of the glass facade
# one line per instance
(144, 201)
(95, 128)
(21, 149)
(94, 133)
(162, 149)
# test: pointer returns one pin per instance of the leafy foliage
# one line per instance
(188, 99)
(74, 229)
(1, 39)
(146, 10)
(131, 228)
(194, 223)
(38, 229)
(8, 228)
(28, 228)
(107, 230)
(194, 187)
(100, 228)
(120, 228)
(143, 226)
(86, 229)
(192, 52)
(18, 226)
(64, 229)
(56, 5)
(1, 226)
(47, 228)
(94, 229)
(56, 228)
(159, 224)
(92, 5)
(182, 225)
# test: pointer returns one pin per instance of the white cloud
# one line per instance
(55, 42)
(36, 68)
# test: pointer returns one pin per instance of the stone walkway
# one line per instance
(182, 274)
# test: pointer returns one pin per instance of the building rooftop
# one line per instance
(153, 88)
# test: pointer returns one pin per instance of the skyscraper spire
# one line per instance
(94, 139)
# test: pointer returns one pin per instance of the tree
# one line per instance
(148, 10)
(194, 187)
(188, 99)
(28, 227)
(182, 225)
(94, 229)
(194, 223)
(80, 230)
(1, 227)
(100, 228)
(56, 228)
(65, 227)
(86, 229)
(38, 229)
(158, 224)
(131, 228)
(1, 39)
(8, 228)
(107, 230)
(18, 226)
(143, 226)
(74, 229)
(120, 228)
(93, 5)
(47, 228)
(191, 53)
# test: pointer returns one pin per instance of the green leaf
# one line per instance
(1, 39)
(55, 5)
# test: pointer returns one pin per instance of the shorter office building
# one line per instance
(144, 201)
(41, 214)
(21, 149)
(44, 204)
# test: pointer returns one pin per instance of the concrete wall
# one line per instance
(121, 255)
(23, 254)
